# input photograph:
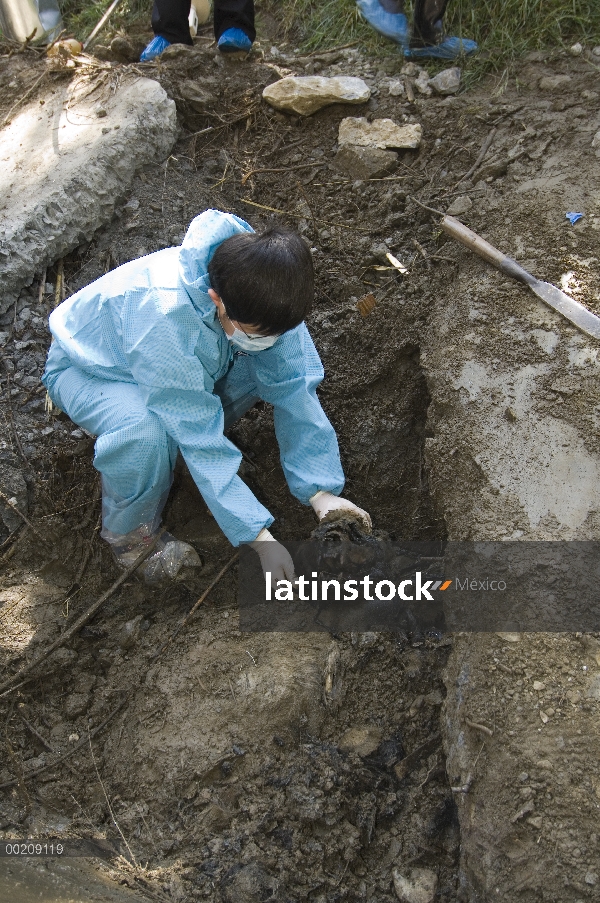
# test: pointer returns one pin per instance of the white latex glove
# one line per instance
(274, 557)
(324, 503)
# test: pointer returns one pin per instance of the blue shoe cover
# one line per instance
(156, 46)
(391, 25)
(234, 40)
(449, 49)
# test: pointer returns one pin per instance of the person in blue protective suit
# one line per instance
(167, 351)
(428, 39)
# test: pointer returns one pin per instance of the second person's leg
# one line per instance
(170, 24)
(234, 25)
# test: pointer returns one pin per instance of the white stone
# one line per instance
(576, 49)
(362, 740)
(381, 133)
(447, 81)
(63, 166)
(422, 83)
(417, 886)
(393, 86)
(305, 94)
(596, 143)
(593, 688)
(460, 205)
(553, 82)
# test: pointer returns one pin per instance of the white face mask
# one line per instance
(251, 343)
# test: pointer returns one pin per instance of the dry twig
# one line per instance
(24, 97)
(23, 517)
(112, 814)
(253, 172)
(484, 149)
(71, 752)
(79, 623)
(479, 727)
(44, 742)
(197, 605)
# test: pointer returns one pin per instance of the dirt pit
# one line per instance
(254, 767)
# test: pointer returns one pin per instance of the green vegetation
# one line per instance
(504, 29)
(80, 16)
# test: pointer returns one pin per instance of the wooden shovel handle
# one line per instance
(484, 249)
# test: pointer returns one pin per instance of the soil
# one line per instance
(225, 768)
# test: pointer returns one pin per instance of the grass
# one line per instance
(504, 29)
(80, 16)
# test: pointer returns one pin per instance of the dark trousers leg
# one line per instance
(428, 21)
(234, 14)
(170, 20)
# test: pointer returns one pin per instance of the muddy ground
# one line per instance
(226, 762)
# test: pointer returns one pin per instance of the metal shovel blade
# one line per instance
(579, 315)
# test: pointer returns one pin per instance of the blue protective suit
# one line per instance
(140, 360)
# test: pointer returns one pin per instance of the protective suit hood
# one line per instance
(204, 235)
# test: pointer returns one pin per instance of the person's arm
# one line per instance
(287, 377)
(159, 336)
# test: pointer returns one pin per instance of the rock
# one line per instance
(417, 886)
(381, 133)
(596, 143)
(535, 821)
(591, 878)
(123, 50)
(365, 162)
(63, 658)
(576, 49)
(509, 637)
(76, 704)
(215, 818)
(447, 81)
(379, 251)
(14, 488)
(91, 169)
(248, 884)
(553, 82)
(493, 170)
(460, 205)
(394, 86)
(539, 685)
(130, 633)
(362, 740)
(422, 83)
(306, 94)
(593, 688)
(195, 96)
(410, 69)
(596, 51)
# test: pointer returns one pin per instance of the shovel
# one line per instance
(579, 315)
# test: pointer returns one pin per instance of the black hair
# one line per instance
(265, 279)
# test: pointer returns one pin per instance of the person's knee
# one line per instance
(145, 429)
